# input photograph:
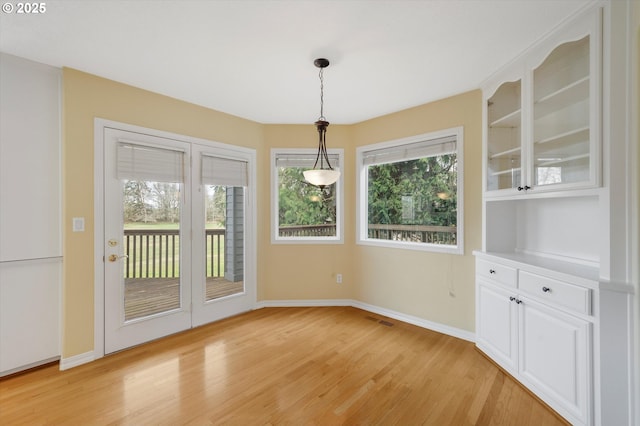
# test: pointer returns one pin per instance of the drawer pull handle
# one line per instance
(492, 271)
(546, 289)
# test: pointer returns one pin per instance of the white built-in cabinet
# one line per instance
(539, 329)
(547, 309)
(30, 214)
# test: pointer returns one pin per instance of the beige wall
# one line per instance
(410, 282)
(435, 287)
(307, 271)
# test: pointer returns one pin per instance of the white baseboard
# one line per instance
(76, 360)
(410, 319)
(303, 303)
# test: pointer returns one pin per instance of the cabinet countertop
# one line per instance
(587, 276)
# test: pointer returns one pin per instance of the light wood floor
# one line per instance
(280, 366)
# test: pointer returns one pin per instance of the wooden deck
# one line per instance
(148, 296)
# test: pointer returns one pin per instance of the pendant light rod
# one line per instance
(321, 63)
(322, 123)
(322, 176)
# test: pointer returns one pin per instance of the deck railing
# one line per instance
(415, 233)
(308, 231)
(154, 253)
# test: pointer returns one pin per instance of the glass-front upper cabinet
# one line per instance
(562, 149)
(542, 120)
(504, 132)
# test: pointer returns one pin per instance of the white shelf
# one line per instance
(510, 120)
(504, 172)
(572, 136)
(568, 95)
(563, 160)
(504, 153)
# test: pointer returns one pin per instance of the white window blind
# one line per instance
(410, 151)
(143, 162)
(224, 171)
(305, 161)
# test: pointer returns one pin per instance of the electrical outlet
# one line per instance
(339, 278)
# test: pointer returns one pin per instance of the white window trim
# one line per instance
(339, 237)
(362, 185)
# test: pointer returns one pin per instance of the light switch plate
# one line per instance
(78, 224)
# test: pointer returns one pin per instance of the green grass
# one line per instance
(151, 225)
(164, 225)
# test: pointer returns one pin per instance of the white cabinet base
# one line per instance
(554, 358)
(29, 314)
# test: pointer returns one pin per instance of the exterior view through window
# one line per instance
(152, 246)
(412, 193)
(224, 240)
(304, 211)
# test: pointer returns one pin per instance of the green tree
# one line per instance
(216, 205)
(301, 203)
(166, 199)
(426, 186)
(135, 201)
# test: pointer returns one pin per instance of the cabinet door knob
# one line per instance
(527, 187)
(520, 188)
(512, 298)
(518, 301)
(546, 289)
(492, 271)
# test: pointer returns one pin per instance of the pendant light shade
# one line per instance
(322, 173)
(321, 177)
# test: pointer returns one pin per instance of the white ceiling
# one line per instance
(254, 58)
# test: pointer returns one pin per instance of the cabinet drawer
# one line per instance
(496, 272)
(561, 293)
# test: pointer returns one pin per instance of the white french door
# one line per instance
(177, 236)
(147, 290)
(223, 285)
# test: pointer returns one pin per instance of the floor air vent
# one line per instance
(379, 321)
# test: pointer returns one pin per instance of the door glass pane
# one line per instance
(504, 160)
(224, 231)
(151, 240)
(561, 149)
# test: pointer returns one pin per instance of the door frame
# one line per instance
(98, 216)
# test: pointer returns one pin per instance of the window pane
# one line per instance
(151, 266)
(303, 209)
(414, 200)
(224, 240)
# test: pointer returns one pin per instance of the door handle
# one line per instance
(114, 257)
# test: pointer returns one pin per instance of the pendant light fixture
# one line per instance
(323, 175)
